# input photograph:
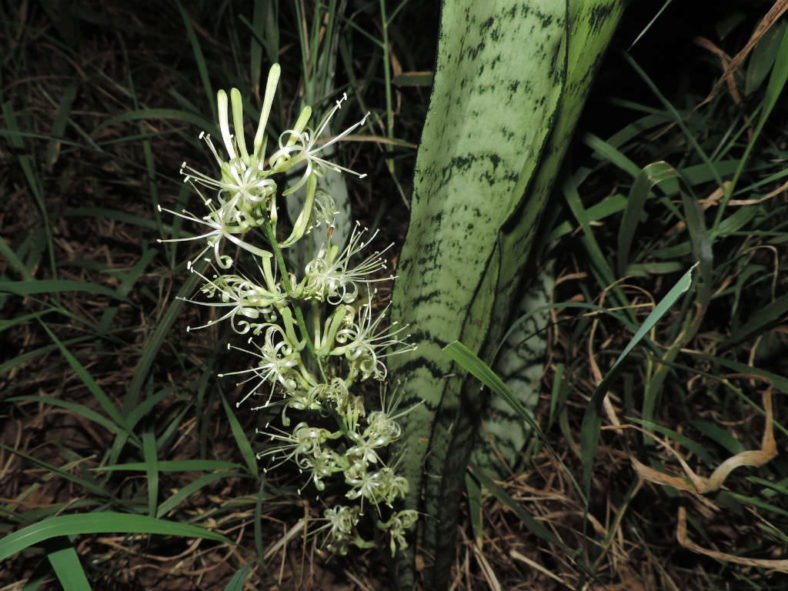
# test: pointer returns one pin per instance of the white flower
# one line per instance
(244, 184)
(223, 225)
(243, 297)
(299, 399)
(341, 522)
(300, 145)
(381, 429)
(399, 523)
(365, 345)
(322, 464)
(278, 363)
(330, 277)
(304, 441)
(363, 453)
(381, 486)
(380, 432)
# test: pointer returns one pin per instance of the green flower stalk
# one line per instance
(314, 337)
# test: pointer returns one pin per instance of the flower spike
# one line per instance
(312, 337)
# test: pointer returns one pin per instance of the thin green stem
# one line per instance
(387, 81)
(316, 319)
(280, 261)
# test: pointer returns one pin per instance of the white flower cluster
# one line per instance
(314, 336)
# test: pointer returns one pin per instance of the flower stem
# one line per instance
(280, 261)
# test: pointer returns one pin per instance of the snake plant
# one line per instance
(510, 81)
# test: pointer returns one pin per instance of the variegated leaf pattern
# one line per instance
(510, 81)
(504, 435)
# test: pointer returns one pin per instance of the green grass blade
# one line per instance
(100, 523)
(20, 360)
(556, 393)
(153, 344)
(633, 213)
(650, 176)
(256, 45)
(475, 506)
(59, 124)
(186, 491)
(655, 268)
(23, 160)
(173, 466)
(736, 221)
(761, 504)
(598, 259)
(74, 407)
(412, 79)
(159, 114)
(199, 58)
(88, 485)
(592, 419)
(237, 582)
(48, 286)
(684, 330)
(265, 35)
(720, 436)
(653, 118)
(125, 287)
(677, 117)
(175, 424)
(762, 320)
(606, 151)
(258, 529)
(150, 164)
(143, 408)
(99, 394)
(773, 487)
(14, 261)
(135, 416)
(597, 212)
(527, 520)
(387, 85)
(780, 382)
(113, 214)
(151, 469)
(240, 438)
(705, 172)
(763, 57)
(5, 324)
(682, 440)
(471, 362)
(778, 77)
(68, 569)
